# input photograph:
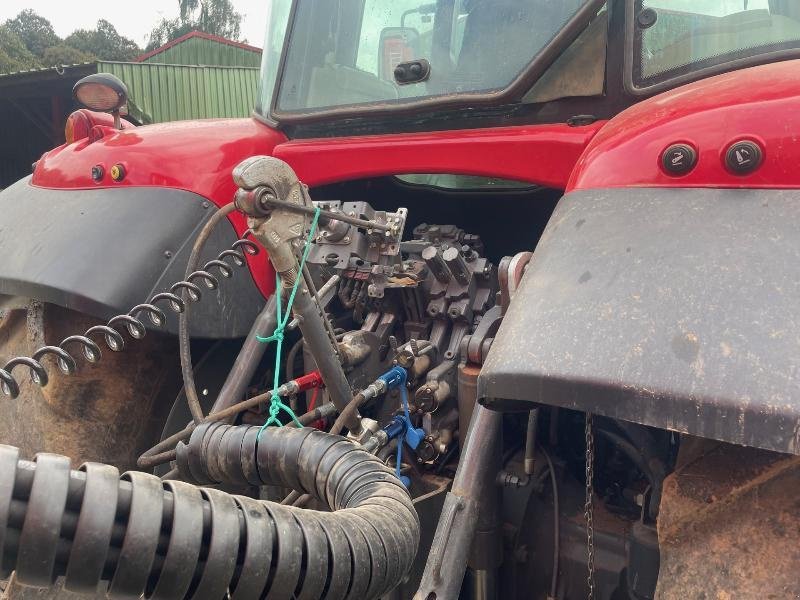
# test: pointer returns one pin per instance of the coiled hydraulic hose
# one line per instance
(173, 540)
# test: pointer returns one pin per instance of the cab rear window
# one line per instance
(674, 39)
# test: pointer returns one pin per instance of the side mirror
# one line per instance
(102, 92)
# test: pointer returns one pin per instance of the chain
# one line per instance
(588, 513)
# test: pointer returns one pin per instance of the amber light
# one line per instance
(77, 127)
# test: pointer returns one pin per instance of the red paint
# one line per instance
(196, 156)
(541, 154)
(196, 34)
(199, 156)
(81, 123)
(759, 104)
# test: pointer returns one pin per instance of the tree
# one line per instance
(62, 54)
(35, 31)
(216, 17)
(14, 56)
(104, 43)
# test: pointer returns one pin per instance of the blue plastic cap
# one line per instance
(414, 436)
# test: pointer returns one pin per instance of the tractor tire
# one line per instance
(109, 411)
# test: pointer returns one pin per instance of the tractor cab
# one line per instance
(489, 299)
(461, 63)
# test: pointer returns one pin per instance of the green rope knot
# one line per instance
(276, 403)
(275, 337)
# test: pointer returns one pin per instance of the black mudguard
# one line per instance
(676, 308)
(103, 251)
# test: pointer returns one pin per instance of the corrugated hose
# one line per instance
(172, 540)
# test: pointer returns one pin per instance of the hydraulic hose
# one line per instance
(173, 540)
(184, 348)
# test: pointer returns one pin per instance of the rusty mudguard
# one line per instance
(675, 308)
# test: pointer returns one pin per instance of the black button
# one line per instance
(98, 172)
(679, 159)
(743, 157)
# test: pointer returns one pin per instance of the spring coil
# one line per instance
(110, 332)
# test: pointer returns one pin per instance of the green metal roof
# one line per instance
(199, 48)
(160, 92)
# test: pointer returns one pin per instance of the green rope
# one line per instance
(276, 404)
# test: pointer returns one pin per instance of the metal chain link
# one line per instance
(588, 512)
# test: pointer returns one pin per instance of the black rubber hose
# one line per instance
(183, 319)
(172, 540)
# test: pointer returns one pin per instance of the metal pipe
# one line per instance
(484, 584)
(248, 359)
(530, 441)
(325, 296)
(313, 290)
(325, 355)
(266, 197)
(456, 530)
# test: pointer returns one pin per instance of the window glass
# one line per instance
(343, 52)
(277, 20)
(691, 34)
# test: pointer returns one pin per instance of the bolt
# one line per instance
(167, 254)
(265, 198)
(205, 205)
(346, 239)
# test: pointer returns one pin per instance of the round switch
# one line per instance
(679, 159)
(743, 157)
(118, 172)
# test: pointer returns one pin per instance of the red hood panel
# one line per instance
(759, 104)
(197, 156)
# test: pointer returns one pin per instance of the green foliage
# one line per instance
(35, 31)
(216, 17)
(104, 43)
(62, 54)
(28, 41)
(14, 56)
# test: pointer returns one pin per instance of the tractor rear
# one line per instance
(488, 299)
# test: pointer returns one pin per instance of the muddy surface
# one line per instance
(729, 526)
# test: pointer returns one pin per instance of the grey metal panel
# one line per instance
(103, 251)
(676, 308)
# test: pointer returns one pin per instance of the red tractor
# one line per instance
(488, 299)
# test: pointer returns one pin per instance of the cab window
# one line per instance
(675, 38)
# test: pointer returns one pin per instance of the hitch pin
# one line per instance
(265, 197)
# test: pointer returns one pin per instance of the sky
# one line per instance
(135, 21)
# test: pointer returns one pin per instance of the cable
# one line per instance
(291, 357)
(347, 413)
(183, 320)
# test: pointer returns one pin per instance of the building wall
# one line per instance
(162, 92)
(201, 51)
